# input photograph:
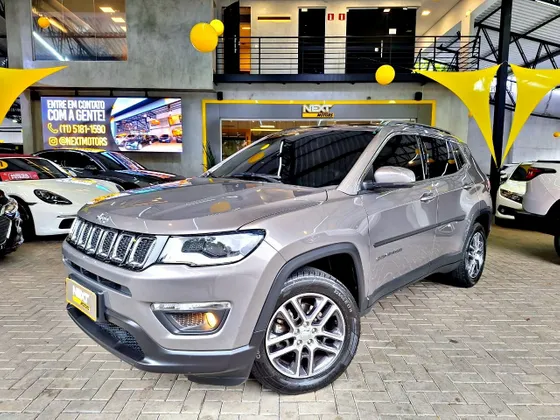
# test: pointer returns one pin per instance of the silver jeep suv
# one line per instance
(265, 263)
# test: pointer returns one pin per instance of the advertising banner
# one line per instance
(121, 124)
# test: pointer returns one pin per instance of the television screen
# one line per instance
(123, 124)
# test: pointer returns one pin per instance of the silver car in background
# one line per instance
(266, 262)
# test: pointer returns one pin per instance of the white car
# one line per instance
(510, 193)
(541, 204)
(49, 197)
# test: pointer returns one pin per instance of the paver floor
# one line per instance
(429, 350)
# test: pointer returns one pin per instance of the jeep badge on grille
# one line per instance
(102, 218)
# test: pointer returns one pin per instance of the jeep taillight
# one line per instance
(533, 172)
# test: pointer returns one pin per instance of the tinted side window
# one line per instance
(323, 159)
(401, 151)
(77, 160)
(439, 157)
(56, 157)
(457, 154)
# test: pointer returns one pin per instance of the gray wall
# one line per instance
(160, 55)
(535, 141)
(451, 114)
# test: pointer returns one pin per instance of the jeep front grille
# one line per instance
(125, 249)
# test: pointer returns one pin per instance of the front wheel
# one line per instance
(312, 336)
(470, 269)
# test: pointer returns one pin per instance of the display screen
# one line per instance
(122, 124)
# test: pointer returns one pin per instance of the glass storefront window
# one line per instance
(79, 30)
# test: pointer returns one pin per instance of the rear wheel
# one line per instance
(312, 336)
(474, 256)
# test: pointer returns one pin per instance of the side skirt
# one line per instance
(444, 264)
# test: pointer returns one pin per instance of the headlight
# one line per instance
(511, 196)
(51, 198)
(219, 249)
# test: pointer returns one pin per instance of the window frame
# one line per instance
(387, 139)
(447, 140)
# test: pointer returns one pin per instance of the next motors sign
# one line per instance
(317, 111)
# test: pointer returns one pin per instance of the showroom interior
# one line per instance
(279, 209)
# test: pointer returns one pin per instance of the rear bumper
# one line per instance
(128, 341)
(538, 223)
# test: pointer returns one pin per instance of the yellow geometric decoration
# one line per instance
(218, 26)
(14, 81)
(532, 87)
(385, 74)
(473, 88)
(204, 37)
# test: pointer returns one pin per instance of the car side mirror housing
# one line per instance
(390, 177)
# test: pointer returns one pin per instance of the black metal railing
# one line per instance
(333, 55)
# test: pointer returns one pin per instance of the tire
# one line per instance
(310, 288)
(27, 223)
(557, 244)
(462, 276)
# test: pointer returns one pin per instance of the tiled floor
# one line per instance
(430, 350)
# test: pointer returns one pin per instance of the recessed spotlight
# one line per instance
(107, 9)
(118, 20)
(426, 12)
(386, 10)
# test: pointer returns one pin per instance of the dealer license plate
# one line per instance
(82, 298)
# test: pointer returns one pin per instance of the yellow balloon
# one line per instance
(218, 26)
(557, 134)
(204, 38)
(43, 22)
(385, 74)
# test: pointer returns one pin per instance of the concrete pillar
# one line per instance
(191, 160)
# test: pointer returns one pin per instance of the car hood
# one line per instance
(77, 190)
(199, 205)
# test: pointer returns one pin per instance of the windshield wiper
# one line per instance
(255, 176)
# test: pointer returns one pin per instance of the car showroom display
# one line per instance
(10, 225)
(48, 197)
(267, 260)
(541, 203)
(107, 165)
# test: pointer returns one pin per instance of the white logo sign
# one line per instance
(317, 108)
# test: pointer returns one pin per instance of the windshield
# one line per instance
(317, 157)
(115, 161)
(21, 169)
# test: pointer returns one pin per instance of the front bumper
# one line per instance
(53, 219)
(128, 341)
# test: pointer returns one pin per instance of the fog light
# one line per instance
(192, 318)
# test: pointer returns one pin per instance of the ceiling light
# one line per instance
(304, 10)
(267, 126)
(14, 120)
(246, 28)
(118, 20)
(266, 129)
(426, 12)
(405, 8)
(392, 31)
(123, 28)
(107, 9)
(386, 10)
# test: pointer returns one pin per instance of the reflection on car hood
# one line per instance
(153, 176)
(199, 205)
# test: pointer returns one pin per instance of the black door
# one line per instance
(377, 37)
(311, 43)
(365, 29)
(231, 38)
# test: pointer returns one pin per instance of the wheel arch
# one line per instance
(309, 259)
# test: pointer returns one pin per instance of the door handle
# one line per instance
(427, 197)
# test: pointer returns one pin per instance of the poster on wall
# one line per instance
(121, 124)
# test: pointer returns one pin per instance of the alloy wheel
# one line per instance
(475, 255)
(305, 335)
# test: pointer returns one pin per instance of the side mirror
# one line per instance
(390, 177)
